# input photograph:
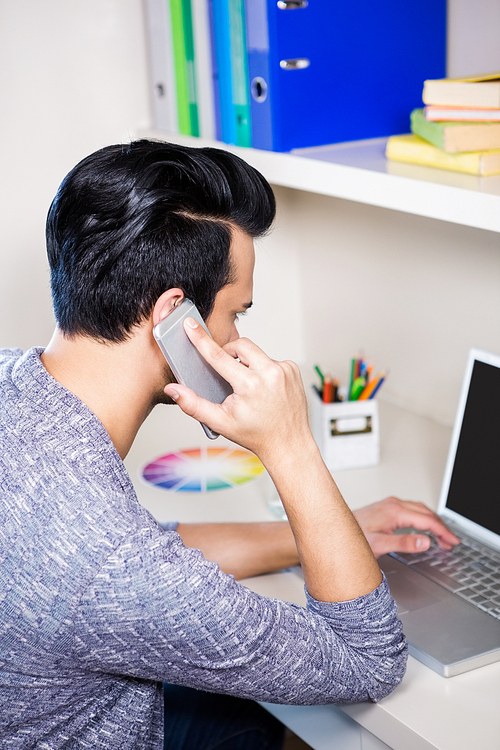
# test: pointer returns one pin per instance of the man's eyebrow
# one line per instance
(247, 305)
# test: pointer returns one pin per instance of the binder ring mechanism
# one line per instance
(258, 89)
(292, 4)
(298, 63)
(353, 425)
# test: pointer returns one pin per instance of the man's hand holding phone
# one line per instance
(267, 413)
(267, 409)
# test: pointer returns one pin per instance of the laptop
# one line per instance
(449, 603)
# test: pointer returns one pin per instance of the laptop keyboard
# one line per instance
(471, 570)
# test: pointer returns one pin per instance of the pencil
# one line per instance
(372, 387)
(328, 391)
(321, 376)
(353, 376)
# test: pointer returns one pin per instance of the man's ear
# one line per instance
(165, 304)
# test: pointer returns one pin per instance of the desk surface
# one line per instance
(426, 711)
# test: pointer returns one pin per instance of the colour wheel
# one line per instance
(203, 469)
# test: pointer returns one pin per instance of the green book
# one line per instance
(456, 136)
(239, 73)
(185, 78)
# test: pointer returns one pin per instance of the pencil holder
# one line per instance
(346, 432)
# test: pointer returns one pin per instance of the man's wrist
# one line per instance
(291, 455)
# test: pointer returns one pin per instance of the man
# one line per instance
(100, 605)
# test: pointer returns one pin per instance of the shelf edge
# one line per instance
(399, 193)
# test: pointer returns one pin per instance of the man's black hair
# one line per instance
(131, 221)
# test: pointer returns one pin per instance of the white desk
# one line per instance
(426, 711)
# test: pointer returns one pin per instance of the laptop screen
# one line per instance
(474, 481)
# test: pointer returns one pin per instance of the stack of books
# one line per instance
(459, 128)
(290, 74)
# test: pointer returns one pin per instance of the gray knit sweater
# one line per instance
(98, 604)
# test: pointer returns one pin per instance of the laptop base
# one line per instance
(444, 632)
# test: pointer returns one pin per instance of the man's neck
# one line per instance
(116, 381)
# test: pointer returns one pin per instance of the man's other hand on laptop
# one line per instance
(382, 521)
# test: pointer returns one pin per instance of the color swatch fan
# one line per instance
(203, 469)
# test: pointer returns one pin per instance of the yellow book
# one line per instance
(473, 91)
(414, 150)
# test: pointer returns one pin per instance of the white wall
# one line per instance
(72, 79)
(413, 294)
(473, 40)
(276, 321)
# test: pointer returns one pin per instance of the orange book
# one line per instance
(436, 113)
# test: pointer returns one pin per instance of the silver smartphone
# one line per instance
(186, 363)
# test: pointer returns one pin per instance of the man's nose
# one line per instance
(234, 333)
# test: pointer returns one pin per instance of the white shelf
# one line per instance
(359, 171)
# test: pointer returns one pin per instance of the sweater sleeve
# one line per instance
(158, 610)
(169, 525)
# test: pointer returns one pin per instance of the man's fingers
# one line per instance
(417, 507)
(421, 517)
(381, 522)
(221, 361)
(247, 352)
(193, 405)
(382, 544)
(227, 360)
(433, 523)
(268, 404)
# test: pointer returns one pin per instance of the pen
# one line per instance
(380, 381)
